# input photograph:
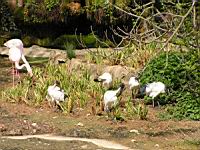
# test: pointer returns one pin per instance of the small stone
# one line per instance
(156, 145)
(34, 130)
(80, 124)
(2, 128)
(34, 124)
(88, 114)
(134, 131)
(133, 140)
(84, 147)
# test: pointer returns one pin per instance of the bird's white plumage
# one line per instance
(16, 53)
(110, 98)
(14, 43)
(133, 82)
(106, 78)
(55, 93)
(155, 88)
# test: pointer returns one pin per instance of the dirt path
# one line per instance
(98, 142)
(30, 123)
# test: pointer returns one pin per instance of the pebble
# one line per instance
(34, 130)
(84, 146)
(135, 131)
(88, 114)
(80, 124)
(133, 140)
(34, 124)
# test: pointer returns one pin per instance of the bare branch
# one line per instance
(176, 30)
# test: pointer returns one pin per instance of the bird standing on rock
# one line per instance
(15, 54)
(105, 78)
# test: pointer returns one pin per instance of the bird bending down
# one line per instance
(14, 43)
(105, 78)
(16, 53)
(55, 95)
(110, 98)
(133, 85)
(154, 89)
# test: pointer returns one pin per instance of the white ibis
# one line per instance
(154, 89)
(105, 78)
(133, 85)
(55, 94)
(110, 98)
(15, 54)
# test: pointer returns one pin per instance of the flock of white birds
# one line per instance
(110, 98)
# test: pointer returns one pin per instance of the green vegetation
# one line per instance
(180, 71)
(62, 41)
(81, 90)
(6, 19)
(124, 56)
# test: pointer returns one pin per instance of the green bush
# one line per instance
(87, 40)
(180, 71)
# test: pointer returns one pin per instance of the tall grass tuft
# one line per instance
(77, 85)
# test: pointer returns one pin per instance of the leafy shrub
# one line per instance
(180, 72)
(70, 50)
(6, 19)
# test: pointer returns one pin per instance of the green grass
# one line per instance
(77, 84)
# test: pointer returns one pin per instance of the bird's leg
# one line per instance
(153, 102)
(158, 104)
(17, 73)
(13, 73)
(132, 94)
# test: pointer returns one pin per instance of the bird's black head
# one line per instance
(142, 92)
(122, 85)
(136, 78)
(65, 96)
(57, 82)
(96, 80)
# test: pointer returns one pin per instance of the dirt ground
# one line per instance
(21, 119)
